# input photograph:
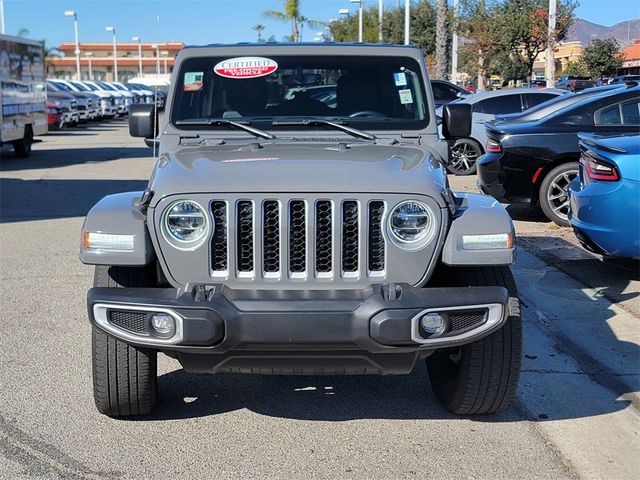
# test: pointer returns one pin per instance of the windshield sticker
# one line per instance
(193, 81)
(245, 67)
(400, 78)
(405, 96)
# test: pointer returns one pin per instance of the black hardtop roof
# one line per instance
(302, 44)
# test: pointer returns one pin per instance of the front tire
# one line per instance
(480, 377)
(124, 377)
(554, 193)
(22, 147)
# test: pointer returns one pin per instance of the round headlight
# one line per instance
(411, 222)
(186, 222)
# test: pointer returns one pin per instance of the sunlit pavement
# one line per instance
(576, 414)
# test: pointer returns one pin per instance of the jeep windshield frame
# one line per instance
(383, 93)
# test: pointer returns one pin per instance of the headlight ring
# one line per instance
(411, 224)
(185, 224)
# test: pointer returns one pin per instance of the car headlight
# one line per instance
(186, 223)
(411, 222)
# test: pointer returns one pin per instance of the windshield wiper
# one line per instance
(319, 122)
(223, 122)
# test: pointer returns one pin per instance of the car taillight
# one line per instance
(599, 170)
(493, 146)
(573, 84)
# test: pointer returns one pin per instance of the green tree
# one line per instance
(23, 32)
(577, 69)
(602, 57)
(258, 28)
(441, 39)
(525, 23)
(293, 15)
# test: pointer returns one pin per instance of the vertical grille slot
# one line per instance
(219, 261)
(244, 239)
(297, 237)
(323, 236)
(350, 241)
(271, 236)
(376, 239)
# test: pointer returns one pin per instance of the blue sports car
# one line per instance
(605, 197)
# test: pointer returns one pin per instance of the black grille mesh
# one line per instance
(271, 242)
(135, 322)
(350, 236)
(245, 236)
(219, 241)
(466, 319)
(376, 240)
(323, 236)
(297, 237)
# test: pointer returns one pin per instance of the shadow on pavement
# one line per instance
(63, 157)
(24, 200)
(525, 213)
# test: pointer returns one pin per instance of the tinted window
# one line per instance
(537, 99)
(631, 113)
(610, 116)
(500, 104)
(443, 92)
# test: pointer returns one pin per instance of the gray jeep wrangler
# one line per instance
(299, 221)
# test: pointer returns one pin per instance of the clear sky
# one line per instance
(207, 21)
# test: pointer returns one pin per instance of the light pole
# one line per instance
(89, 56)
(380, 20)
(115, 58)
(360, 12)
(164, 56)
(2, 17)
(407, 7)
(137, 39)
(72, 13)
(551, 40)
(454, 44)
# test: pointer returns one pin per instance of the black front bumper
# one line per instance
(491, 176)
(307, 332)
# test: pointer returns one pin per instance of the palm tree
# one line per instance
(23, 32)
(292, 14)
(441, 39)
(259, 28)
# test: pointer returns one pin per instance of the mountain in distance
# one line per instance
(624, 32)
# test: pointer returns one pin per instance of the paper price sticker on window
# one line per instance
(245, 67)
(405, 96)
(193, 81)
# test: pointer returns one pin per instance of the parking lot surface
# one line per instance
(576, 414)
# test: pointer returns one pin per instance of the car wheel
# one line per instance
(481, 377)
(22, 147)
(465, 152)
(554, 193)
(124, 377)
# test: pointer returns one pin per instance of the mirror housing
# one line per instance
(456, 120)
(141, 121)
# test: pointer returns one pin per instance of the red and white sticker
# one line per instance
(245, 67)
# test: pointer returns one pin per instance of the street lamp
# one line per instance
(115, 58)
(89, 56)
(164, 56)
(360, 11)
(137, 39)
(72, 13)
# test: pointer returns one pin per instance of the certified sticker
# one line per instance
(405, 96)
(245, 67)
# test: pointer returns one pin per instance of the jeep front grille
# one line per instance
(296, 239)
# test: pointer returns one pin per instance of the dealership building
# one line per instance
(97, 61)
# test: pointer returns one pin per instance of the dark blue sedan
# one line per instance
(605, 197)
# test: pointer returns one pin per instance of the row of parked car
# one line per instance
(70, 102)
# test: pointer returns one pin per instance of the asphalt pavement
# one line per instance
(576, 414)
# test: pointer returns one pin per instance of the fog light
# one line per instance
(433, 324)
(163, 324)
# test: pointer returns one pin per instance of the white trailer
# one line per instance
(23, 95)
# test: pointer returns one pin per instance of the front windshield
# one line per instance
(106, 86)
(62, 86)
(385, 94)
(80, 86)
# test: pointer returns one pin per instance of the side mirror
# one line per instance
(456, 120)
(141, 121)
